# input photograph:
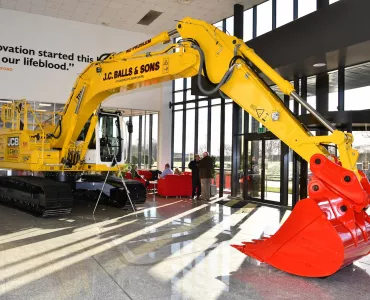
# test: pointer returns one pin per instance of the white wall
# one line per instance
(164, 126)
(36, 32)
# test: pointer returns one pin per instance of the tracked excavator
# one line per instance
(324, 233)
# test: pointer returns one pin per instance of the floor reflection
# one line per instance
(169, 249)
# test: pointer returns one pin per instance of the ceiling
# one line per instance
(125, 14)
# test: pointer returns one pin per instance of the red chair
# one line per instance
(175, 185)
(142, 180)
(147, 176)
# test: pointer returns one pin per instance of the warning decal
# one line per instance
(260, 111)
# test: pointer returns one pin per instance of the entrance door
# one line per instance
(261, 180)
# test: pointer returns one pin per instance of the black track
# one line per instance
(38, 195)
(118, 195)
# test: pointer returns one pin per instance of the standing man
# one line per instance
(205, 172)
(193, 166)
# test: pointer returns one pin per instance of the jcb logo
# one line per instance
(13, 142)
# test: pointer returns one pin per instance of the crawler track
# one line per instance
(41, 196)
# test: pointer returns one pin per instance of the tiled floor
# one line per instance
(171, 249)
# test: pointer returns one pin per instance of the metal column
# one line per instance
(140, 141)
(150, 141)
(304, 165)
(295, 183)
(237, 112)
(284, 167)
(222, 149)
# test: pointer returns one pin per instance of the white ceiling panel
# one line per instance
(125, 14)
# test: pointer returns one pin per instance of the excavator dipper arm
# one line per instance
(326, 231)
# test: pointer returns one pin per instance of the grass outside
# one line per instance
(276, 190)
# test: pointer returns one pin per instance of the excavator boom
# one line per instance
(324, 233)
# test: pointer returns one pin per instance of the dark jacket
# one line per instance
(205, 167)
(193, 166)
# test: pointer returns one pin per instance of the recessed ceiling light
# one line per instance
(45, 104)
(40, 109)
(5, 101)
(318, 65)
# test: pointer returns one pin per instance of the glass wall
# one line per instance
(155, 142)
(357, 89)
(306, 7)
(266, 156)
(135, 140)
(264, 17)
(190, 134)
(284, 12)
(248, 25)
(230, 25)
(333, 91)
(177, 139)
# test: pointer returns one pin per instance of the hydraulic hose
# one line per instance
(224, 79)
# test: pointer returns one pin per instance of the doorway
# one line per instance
(260, 175)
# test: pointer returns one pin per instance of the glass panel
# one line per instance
(241, 175)
(190, 129)
(254, 169)
(284, 12)
(357, 87)
(135, 140)
(177, 142)
(264, 17)
(272, 167)
(333, 1)
(333, 91)
(190, 105)
(179, 107)
(311, 91)
(218, 25)
(179, 97)
(248, 25)
(203, 103)
(155, 142)
(189, 96)
(202, 130)
(290, 177)
(305, 7)
(188, 82)
(215, 134)
(228, 146)
(356, 99)
(145, 142)
(230, 25)
(215, 101)
(179, 84)
(362, 145)
(216, 180)
(110, 136)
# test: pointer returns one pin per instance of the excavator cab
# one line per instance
(108, 139)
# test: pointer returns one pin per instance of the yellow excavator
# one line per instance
(324, 233)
